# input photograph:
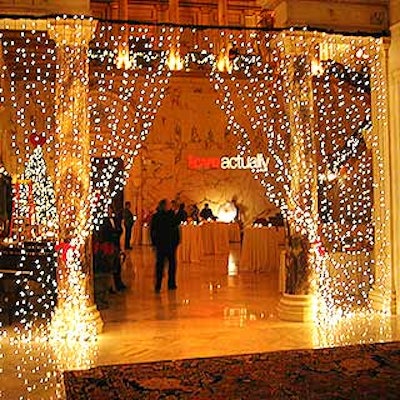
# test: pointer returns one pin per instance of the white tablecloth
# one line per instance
(190, 249)
(136, 234)
(215, 237)
(146, 235)
(234, 232)
(207, 238)
(261, 249)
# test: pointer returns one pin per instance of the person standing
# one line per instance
(164, 233)
(174, 206)
(128, 223)
(206, 213)
(110, 234)
(182, 215)
(238, 216)
(195, 213)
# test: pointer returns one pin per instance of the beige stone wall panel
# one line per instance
(350, 15)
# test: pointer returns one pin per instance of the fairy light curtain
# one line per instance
(27, 79)
(316, 129)
(302, 98)
(128, 79)
(29, 92)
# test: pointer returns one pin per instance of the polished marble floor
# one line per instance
(216, 311)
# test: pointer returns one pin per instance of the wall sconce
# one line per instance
(123, 60)
(175, 62)
(223, 62)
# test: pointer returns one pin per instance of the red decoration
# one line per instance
(108, 248)
(321, 251)
(37, 140)
(63, 248)
(319, 248)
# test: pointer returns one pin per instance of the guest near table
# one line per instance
(128, 224)
(164, 233)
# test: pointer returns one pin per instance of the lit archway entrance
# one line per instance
(261, 71)
(277, 79)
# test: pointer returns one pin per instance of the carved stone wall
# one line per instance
(190, 124)
(346, 15)
(196, 12)
(44, 7)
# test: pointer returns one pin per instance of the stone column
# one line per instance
(72, 183)
(394, 122)
(174, 11)
(205, 15)
(296, 303)
(223, 12)
(72, 125)
(383, 292)
(114, 9)
(161, 11)
(123, 10)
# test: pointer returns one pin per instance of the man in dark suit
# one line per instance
(206, 213)
(164, 232)
(181, 215)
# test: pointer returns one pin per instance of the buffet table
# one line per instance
(146, 240)
(190, 249)
(136, 234)
(207, 238)
(261, 249)
(234, 232)
(212, 230)
(215, 237)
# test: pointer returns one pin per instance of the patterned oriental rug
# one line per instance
(353, 372)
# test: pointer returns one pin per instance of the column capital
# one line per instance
(72, 31)
(395, 29)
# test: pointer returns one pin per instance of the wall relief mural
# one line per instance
(190, 125)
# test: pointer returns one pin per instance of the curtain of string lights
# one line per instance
(315, 103)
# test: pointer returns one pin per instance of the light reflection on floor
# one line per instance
(216, 310)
